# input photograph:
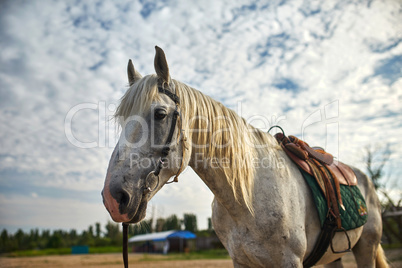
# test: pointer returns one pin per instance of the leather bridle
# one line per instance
(164, 153)
(166, 148)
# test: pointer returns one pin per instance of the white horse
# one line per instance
(262, 211)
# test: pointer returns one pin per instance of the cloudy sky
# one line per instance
(327, 71)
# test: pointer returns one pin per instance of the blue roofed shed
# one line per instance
(162, 242)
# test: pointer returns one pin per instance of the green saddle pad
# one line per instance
(355, 214)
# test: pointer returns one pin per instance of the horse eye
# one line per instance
(160, 114)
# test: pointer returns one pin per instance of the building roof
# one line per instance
(161, 236)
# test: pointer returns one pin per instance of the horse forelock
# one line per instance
(138, 98)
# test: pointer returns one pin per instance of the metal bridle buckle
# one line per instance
(148, 189)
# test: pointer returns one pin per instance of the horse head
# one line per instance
(150, 148)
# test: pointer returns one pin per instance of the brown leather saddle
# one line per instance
(329, 174)
(300, 152)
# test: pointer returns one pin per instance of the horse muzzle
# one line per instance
(127, 203)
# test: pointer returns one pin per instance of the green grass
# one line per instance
(60, 251)
(109, 249)
(39, 252)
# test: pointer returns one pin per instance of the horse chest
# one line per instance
(256, 243)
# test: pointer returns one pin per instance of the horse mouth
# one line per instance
(138, 215)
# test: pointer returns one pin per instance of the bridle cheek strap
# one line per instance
(183, 139)
(176, 117)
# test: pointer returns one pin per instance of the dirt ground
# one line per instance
(115, 261)
(105, 261)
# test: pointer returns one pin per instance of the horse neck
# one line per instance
(207, 162)
(218, 183)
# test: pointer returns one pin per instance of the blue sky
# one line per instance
(329, 71)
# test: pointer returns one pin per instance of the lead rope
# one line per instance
(125, 244)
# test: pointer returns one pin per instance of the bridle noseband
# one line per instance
(165, 152)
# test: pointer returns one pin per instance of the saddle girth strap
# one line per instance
(323, 242)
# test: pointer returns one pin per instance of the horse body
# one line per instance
(285, 227)
(263, 211)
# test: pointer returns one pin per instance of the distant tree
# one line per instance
(33, 239)
(172, 223)
(98, 229)
(190, 222)
(19, 237)
(91, 231)
(143, 227)
(73, 237)
(113, 233)
(44, 239)
(56, 240)
(209, 224)
(160, 225)
(4, 241)
(375, 161)
(86, 239)
(46, 234)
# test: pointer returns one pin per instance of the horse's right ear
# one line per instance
(161, 66)
(133, 75)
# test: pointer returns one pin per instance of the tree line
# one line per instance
(94, 236)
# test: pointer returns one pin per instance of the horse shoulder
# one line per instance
(277, 231)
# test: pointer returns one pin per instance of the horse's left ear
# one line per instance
(132, 73)
(161, 66)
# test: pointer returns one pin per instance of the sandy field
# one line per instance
(105, 261)
(115, 261)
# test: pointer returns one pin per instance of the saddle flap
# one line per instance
(344, 173)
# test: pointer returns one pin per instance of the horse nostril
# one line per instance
(123, 198)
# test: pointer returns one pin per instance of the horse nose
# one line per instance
(122, 197)
(116, 199)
